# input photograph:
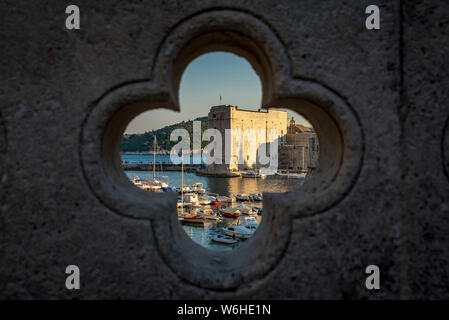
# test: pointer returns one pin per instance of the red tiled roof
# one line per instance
(303, 128)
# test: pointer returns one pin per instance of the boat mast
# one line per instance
(154, 158)
(182, 183)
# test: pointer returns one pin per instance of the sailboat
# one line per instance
(156, 182)
(181, 203)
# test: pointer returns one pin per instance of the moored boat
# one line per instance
(256, 196)
(221, 238)
(238, 231)
(208, 214)
(224, 199)
(246, 210)
(205, 200)
(230, 212)
(241, 197)
(297, 175)
(245, 230)
(192, 218)
(198, 188)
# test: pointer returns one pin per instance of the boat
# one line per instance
(198, 188)
(244, 230)
(250, 174)
(137, 181)
(196, 221)
(300, 176)
(246, 210)
(159, 183)
(282, 173)
(183, 189)
(155, 182)
(168, 189)
(238, 231)
(224, 199)
(208, 214)
(192, 198)
(248, 222)
(258, 210)
(256, 196)
(221, 238)
(187, 215)
(192, 218)
(230, 212)
(148, 186)
(241, 197)
(205, 200)
(145, 185)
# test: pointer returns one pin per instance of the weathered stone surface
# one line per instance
(67, 94)
(425, 112)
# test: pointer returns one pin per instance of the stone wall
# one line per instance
(242, 155)
(377, 99)
(299, 153)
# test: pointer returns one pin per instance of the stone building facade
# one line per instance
(300, 151)
(243, 149)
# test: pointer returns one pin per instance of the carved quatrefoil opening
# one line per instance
(269, 151)
(336, 123)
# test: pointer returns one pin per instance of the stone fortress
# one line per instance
(297, 144)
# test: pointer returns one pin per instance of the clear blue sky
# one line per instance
(204, 79)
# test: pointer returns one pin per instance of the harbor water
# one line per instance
(223, 186)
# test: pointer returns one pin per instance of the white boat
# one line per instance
(256, 196)
(251, 174)
(183, 189)
(155, 182)
(241, 197)
(198, 188)
(282, 173)
(160, 183)
(146, 185)
(297, 175)
(248, 222)
(192, 198)
(247, 210)
(205, 200)
(221, 238)
(192, 219)
(239, 231)
(137, 181)
(208, 214)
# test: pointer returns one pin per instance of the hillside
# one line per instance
(144, 141)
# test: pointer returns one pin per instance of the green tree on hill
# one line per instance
(143, 142)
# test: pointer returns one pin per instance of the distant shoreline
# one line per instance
(160, 152)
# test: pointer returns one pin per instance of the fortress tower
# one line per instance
(224, 117)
